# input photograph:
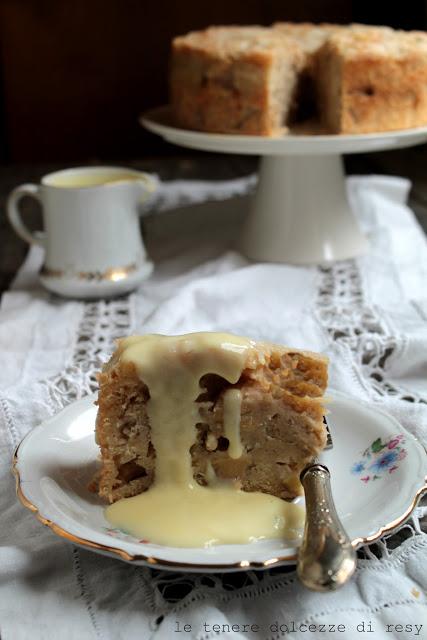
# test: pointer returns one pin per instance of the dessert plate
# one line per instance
(378, 471)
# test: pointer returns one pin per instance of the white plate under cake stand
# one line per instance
(300, 213)
(378, 473)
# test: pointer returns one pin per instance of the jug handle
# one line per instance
(14, 214)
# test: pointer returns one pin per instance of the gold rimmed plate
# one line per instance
(378, 471)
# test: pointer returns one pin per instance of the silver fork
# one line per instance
(326, 559)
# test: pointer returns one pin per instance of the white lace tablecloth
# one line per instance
(369, 315)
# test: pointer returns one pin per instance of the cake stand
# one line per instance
(300, 213)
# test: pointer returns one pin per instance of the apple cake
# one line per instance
(260, 80)
(235, 410)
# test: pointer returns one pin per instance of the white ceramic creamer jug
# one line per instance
(91, 233)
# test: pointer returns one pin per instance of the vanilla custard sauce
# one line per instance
(78, 180)
(175, 510)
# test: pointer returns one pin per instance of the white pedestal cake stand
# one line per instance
(300, 212)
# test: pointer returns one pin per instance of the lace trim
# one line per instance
(222, 588)
(347, 318)
(101, 324)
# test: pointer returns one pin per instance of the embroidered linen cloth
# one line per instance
(369, 315)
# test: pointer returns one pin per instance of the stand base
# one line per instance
(300, 213)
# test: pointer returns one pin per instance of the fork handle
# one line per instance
(326, 558)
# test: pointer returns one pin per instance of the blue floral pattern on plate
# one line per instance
(382, 457)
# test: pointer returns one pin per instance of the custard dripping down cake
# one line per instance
(229, 408)
(259, 80)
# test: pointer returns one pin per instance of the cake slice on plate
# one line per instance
(209, 408)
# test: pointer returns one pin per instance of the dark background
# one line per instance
(75, 74)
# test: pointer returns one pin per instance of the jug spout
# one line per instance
(146, 185)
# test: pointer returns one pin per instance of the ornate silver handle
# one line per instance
(326, 558)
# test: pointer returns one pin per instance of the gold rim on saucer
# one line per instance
(158, 562)
(112, 274)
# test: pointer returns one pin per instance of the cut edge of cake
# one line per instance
(354, 78)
